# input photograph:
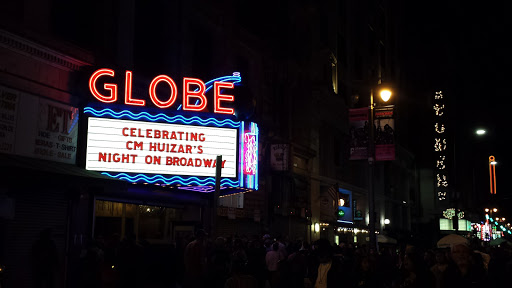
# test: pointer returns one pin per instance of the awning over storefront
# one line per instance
(15, 164)
(16, 167)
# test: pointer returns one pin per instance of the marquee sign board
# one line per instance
(170, 149)
(159, 148)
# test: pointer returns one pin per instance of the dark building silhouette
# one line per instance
(303, 66)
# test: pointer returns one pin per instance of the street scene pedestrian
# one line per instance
(258, 144)
(243, 262)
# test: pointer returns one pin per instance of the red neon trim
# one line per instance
(490, 177)
(187, 93)
(108, 86)
(222, 97)
(128, 92)
(152, 91)
(493, 180)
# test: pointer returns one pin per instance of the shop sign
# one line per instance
(279, 157)
(36, 127)
(344, 210)
(8, 116)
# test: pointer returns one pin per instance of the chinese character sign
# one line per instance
(440, 147)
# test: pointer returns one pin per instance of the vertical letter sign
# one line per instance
(440, 144)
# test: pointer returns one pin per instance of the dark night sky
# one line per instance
(460, 50)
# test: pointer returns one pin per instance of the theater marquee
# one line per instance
(174, 147)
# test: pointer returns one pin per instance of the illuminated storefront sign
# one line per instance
(450, 213)
(344, 206)
(168, 148)
(49, 128)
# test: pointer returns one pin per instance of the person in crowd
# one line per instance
(92, 262)
(296, 266)
(329, 272)
(365, 276)
(239, 250)
(256, 261)
(272, 259)
(464, 271)
(195, 257)
(282, 246)
(267, 243)
(219, 263)
(239, 276)
(385, 269)
(438, 270)
(130, 258)
(413, 272)
(429, 258)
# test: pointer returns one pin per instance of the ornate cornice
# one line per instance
(34, 50)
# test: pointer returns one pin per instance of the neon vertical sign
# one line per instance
(492, 174)
(249, 157)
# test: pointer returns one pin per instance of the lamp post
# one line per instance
(385, 94)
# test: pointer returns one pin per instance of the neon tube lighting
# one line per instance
(171, 180)
(235, 79)
(161, 117)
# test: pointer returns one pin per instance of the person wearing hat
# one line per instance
(195, 257)
(464, 270)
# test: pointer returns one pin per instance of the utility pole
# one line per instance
(216, 193)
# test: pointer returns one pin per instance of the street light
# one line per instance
(385, 95)
(491, 213)
(480, 132)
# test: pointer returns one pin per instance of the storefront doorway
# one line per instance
(153, 224)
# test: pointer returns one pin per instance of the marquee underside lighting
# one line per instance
(174, 180)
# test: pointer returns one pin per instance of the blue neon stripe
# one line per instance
(171, 180)
(241, 155)
(162, 117)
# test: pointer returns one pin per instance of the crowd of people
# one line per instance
(273, 262)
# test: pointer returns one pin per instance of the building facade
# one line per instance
(301, 73)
